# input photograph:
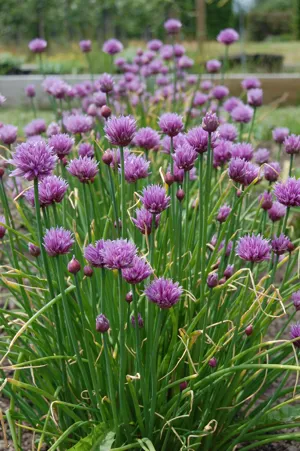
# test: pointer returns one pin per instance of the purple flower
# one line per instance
(120, 130)
(62, 144)
(84, 168)
(213, 66)
(139, 271)
(2, 99)
(200, 99)
(155, 199)
(51, 190)
(140, 320)
(296, 300)
(30, 91)
(272, 171)
(279, 134)
(242, 171)
(185, 62)
(228, 271)
(266, 200)
(144, 221)
(112, 47)
(106, 83)
(78, 123)
(219, 92)
(280, 244)
(255, 97)
(295, 333)
(223, 213)
(154, 45)
(53, 129)
(250, 83)
(102, 324)
(210, 122)
(171, 124)
(86, 150)
(292, 144)
(222, 153)
(228, 132)
(261, 156)
(228, 36)
(288, 193)
(198, 139)
(232, 103)
(178, 140)
(2, 228)
(147, 139)
(37, 45)
(135, 168)
(212, 280)
(8, 134)
(85, 45)
(253, 248)
(172, 26)
(118, 254)
(34, 250)
(164, 292)
(35, 127)
(277, 211)
(58, 241)
(33, 160)
(242, 150)
(185, 156)
(93, 254)
(242, 114)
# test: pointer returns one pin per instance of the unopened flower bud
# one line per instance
(239, 193)
(222, 281)
(212, 280)
(2, 172)
(210, 122)
(183, 385)
(107, 158)
(180, 194)
(88, 271)
(120, 224)
(128, 297)
(228, 271)
(102, 323)
(74, 266)
(213, 362)
(105, 111)
(249, 330)
(64, 161)
(291, 247)
(92, 110)
(169, 178)
(34, 250)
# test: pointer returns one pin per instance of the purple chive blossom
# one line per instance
(164, 292)
(2, 228)
(93, 254)
(84, 168)
(35, 127)
(53, 129)
(229, 271)
(37, 45)
(172, 26)
(78, 123)
(30, 91)
(62, 144)
(135, 168)
(2, 99)
(139, 271)
(85, 45)
(51, 190)
(228, 132)
(288, 193)
(106, 83)
(242, 171)
(250, 83)
(86, 150)
(228, 36)
(222, 153)
(143, 221)
(147, 139)
(112, 47)
(102, 324)
(242, 114)
(261, 156)
(155, 199)
(118, 254)
(8, 134)
(253, 248)
(185, 157)
(242, 150)
(33, 160)
(154, 45)
(232, 103)
(213, 66)
(279, 134)
(266, 200)
(255, 97)
(200, 99)
(219, 92)
(178, 140)
(296, 300)
(272, 171)
(120, 130)
(292, 144)
(212, 280)
(197, 139)
(140, 320)
(277, 211)
(58, 241)
(210, 122)
(185, 62)
(223, 213)
(170, 124)
(280, 244)
(34, 250)
(295, 333)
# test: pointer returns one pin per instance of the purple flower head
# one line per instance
(228, 132)
(2, 99)
(179, 50)
(30, 91)
(213, 66)
(219, 92)
(154, 45)
(231, 103)
(242, 114)
(255, 97)
(37, 45)
(106, 83)
(58, 241)
(135, 168)
(8, 134)
(178, 140)
(210, 122)
(223, 213)
(93, 254)
(272, 171)
(261, 156)
(112, 47)
(144, 221)
(242, 150)
(191, 79)
(118, 254)
(86, 150)
(120, 130)
(102, 324)
(280, 244)
(51, 190)
(222, 153)
(185, 156)
(200, 99)
(78, 123)
(139, 271)
(212, 280)
(251, 83)
(198, 139)
(288, 193)
(84, 168)
(295, 333)
(2, 228)
(35, 127)
(172, 26)
(85, 45)
(253, 248)
(279, 134)
(155, 199)
(62, 144)
(33, 160)
(228, 36)
(140, 320)
(99, 99)
(266, 200)
(296, 300)
(171, 124)
(185, 62)
(147, 139)
(34, 250)
(277, 211)
(53, 129)
(164, 292)
(242, 171)
(292, 144)
(228, 271)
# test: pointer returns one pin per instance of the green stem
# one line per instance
(123, 197)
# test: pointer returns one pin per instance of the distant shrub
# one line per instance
(261, 25)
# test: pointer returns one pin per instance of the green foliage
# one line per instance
(98, 440)
(263, 24)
